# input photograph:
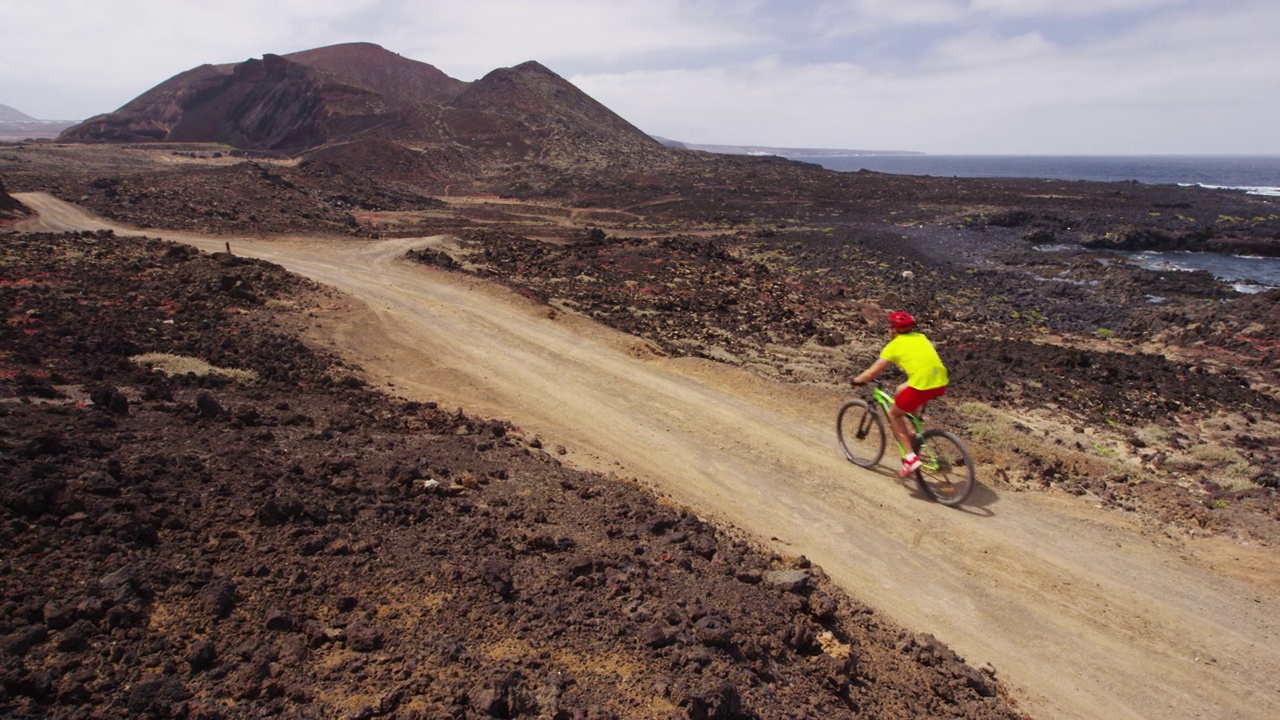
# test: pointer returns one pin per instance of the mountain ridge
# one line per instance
(360, 92)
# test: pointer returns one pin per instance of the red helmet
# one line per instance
(901, 321)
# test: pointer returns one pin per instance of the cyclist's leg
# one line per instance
(898, 421)
(908, 401)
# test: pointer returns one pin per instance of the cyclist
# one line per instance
(927, 378)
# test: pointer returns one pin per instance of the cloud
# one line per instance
(1056, 8)
(96, 51)
(937, 75)
(851, 17)
(1182, 83)
(93, 51)
(986, 51)
(835, 17)
(467, 41)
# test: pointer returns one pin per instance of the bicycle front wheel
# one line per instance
(861, 432)
(946, 470)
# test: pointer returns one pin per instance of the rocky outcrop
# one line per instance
(1261, 247)
(1204, 239)
(10, 208)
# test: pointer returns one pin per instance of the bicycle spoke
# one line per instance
(861, 433)
(946, 472)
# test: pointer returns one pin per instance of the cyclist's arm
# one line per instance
(871, 373)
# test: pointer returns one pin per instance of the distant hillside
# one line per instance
(362, 94)
(781, 152)
(16, 125)
(8, 114)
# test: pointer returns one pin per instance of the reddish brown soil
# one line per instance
(1005, 336)
(201, 547)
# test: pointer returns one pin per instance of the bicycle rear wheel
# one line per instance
(946, 470)
(861, 432)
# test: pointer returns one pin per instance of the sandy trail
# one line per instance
(1080, 613)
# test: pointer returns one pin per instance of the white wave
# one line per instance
(1250, 288)
(1246, 273)
(1248, 189)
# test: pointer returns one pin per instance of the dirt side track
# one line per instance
(1080, 614)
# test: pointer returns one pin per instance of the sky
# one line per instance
(1038, 77)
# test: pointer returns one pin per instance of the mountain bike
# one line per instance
(946, 469)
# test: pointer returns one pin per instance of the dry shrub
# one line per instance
(1006, 439)
(184, 365)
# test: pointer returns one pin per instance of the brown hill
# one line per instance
(269, 104)
(358, 93)
(533, 111)
(386, 73)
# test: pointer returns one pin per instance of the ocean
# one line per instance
(1254, 174)
(1258, 174)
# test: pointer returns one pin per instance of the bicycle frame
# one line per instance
(946, 470)
(884, 400)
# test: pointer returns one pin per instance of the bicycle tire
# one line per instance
(861, 432)
(946, 472)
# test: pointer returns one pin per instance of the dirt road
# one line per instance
(1083, 615)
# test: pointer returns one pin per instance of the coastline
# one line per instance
(1257, 173)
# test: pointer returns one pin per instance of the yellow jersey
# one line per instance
(915, 355)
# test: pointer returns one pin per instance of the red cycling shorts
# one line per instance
(910, 400)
